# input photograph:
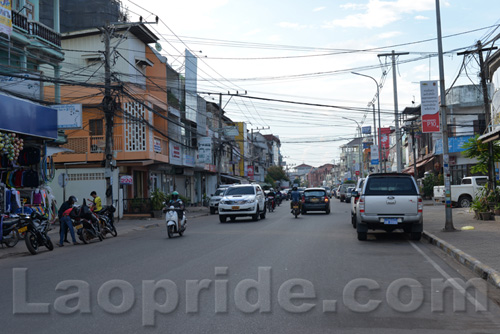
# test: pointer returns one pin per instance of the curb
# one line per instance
(484, 271)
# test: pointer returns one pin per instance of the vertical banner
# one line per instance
(6, 17)
(374, 155)
(384, 142)
(205, 150)
(429, 98)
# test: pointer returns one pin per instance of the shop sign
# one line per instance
(429, 106)
(69, 116)
(157, 145)
(175, 153)
(126, 180)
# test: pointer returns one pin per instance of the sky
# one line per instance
(305, 52)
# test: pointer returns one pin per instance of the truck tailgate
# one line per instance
(391, 205)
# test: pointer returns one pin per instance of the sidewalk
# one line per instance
(123, 227)
(477, 249)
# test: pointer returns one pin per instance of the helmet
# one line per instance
(294, 188)
(72, 199)
(175, 195)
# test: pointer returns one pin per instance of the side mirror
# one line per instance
(355, 193)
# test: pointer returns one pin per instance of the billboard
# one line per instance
(429, 98)
(205, 150)
(384, 142)
(191, 74)
(6, 17)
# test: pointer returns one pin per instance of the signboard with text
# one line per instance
(429, 98)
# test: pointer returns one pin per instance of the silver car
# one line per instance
(215, 199)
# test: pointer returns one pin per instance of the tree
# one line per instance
(474, 148)
(277, 173)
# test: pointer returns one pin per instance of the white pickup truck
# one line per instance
(462, 195)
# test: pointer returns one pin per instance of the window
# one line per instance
(392, 185)
(240, 191)
(315, 193)
(96, 127)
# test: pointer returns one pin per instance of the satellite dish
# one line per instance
(158, 47)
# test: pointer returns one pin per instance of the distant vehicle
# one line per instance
(315, 199)
(215, 199)
(354, 200)
(462, 195)
(328, 191)
(388, 202)
(348, 194)
(343, 191)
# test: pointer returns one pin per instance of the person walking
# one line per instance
(65, 221)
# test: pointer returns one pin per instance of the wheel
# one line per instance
(170, 231)
(362, 236)
(353, 221)
(111, 228)
(464, 202)
(13, 238)
(263, 214)
(85, 236)
(256, 216)
(416, 236)
(48, 243)
(222, 219)
(99, 235)
(328, 211)
(212, 210)
(181, 233)
(296, 213)
(31, 242)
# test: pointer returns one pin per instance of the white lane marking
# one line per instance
(436, 266)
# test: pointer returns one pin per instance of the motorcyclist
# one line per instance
(295, 196)
(178, 204)
(271, 193)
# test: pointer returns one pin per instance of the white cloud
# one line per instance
(318, 9)
(377, 13)
(421, 17)
(389, 34)
(290, 25)
(253, 32)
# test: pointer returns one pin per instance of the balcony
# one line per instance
(35, 28)
(91, 149)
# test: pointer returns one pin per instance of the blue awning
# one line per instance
(25, 117)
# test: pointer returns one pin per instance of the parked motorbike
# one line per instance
(35, 226)
(106, 220)
(85, 223)
(8, 231)
(172, 219)
(296, 209)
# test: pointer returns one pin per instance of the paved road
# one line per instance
(277, 275)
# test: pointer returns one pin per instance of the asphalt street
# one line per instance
(276, 275)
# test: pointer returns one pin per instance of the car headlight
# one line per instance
(251, 200)
(222, 201)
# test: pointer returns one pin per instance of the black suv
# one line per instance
(315, 199)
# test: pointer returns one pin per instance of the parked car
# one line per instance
(315, 199)
(242, 200)
(348, 194)
(388, 202)
(215, 199)
(462, 195)
(355, 199)
(343, 190)
(328, 191)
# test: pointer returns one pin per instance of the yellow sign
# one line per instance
(6, 17)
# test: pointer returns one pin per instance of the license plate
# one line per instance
(295, 206)
(79, 226)
(235, 207)
(390, 221)
(314, 200)
(22, 229)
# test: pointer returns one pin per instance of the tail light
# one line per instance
(361, 204)
(326, 198)
(420, 205)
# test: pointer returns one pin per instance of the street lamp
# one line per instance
(361, 167)
(375, 134)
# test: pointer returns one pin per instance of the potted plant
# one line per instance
(157, 199)
(480, 207)
(497, 210)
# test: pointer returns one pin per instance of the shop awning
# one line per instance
(234, 179)
(490, 136)
(424, 162)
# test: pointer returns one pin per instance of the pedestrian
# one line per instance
(96, 202)
(65, 221)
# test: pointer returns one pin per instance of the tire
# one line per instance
(464, 202)
(353, 221)
(48, 243)
(31, 242)
(256, 216)
(13, 240)
(415, 236)
(362, 236)
(212, 211)
(263, 214)
(85, 236)
(180, 234)
(170, 231)
(328, 211)
(112, 229)
(222, 219)
(296, 213)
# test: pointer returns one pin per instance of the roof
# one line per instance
(303, 165)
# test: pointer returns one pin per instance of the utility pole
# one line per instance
(448, 226)
(396, 116)
(109, 110)
(252, 145)
(219, 149)
(487, 114)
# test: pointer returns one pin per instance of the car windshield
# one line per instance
(240, 191)
(393, 185)
(314, 193)
(219, 192)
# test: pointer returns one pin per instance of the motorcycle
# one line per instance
(86, 223)
(296, 209)
(8, 232)
(172, 219)
(106, 220)
(35, 226)
(271, 204)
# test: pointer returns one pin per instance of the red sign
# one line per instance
(126, 179)
(357, 173)
(429, 106)
(384, 142)
(250, 171)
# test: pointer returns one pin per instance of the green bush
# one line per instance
(428, 185)
(157, 199)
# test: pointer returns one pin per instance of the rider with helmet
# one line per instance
(65, 221)
(177, 203)
(295, 196)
